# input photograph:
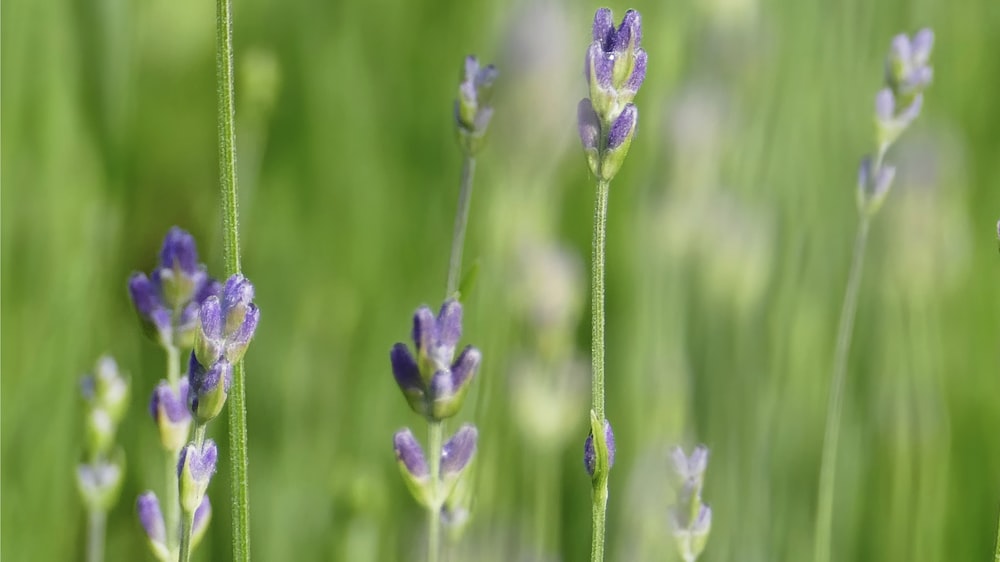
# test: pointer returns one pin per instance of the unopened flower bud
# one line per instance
(169, 409)
(209, 388)
(151, 518)
(195, 468)
(599, 454)
(413, 467)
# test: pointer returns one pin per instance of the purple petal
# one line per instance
(238, 291)
(148, 508)
(459, 450)
(465, 366)
(201, 515)
(201, 463)
(588, 124)
(604, 25)
(245, 332)
(404, 368)
(179, 251)
(632, 23)
(211, 317)
(900, 48)
(424, 329)
(145, 294)
(449, 323)
(471, 69)
(604, 65)
(174, 404)
(885, 105)
(921, 45)
(623, 126)
(486, 76)
(638, 72)
(409, 452)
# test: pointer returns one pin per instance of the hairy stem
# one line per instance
(827, 475)
(461, 221)
(435, 439)
(597, 357)
(230, 221)
(171, 496)
(996, 556)
(97, 520)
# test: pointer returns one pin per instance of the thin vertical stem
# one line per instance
(171, 496)
(827, 475)
(230, 222)
(597, 358)
(996, 556)
(96, 528)
(461, 220)
(187, 526)
(435, 439)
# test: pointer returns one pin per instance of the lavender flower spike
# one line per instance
(434, 383)
(472, 108)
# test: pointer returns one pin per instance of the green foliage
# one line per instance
(729, 240)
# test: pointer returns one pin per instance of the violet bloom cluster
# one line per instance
(907, 75)
(455, 456)
(434, 383)
(169, 298)
(690, 518)
(615, 68)
(472, 107)
(227, 324)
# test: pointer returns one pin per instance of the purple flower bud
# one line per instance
(465, 366)
(195, 468)
(885, 105)
(589, 125)
(630, 30)
(201, 518)
(209, 387)
(424, 329)
(921, 46)
(148, 508)
(211, 318)
(638, 73)
(410, 454)
(146, 298)
(689, 468)
(449, 323)
(907, 70)
(179, 252)
(472, 107)
(458, 451)
(590, 454)
(168, 403)
(604, 26)
(623, 127)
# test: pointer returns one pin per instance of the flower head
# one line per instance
(227, 322)
(472, 108)
(434, 383)
(168, 299)
(195, 468)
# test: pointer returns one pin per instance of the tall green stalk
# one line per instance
(461, 221)
(600, 496)
(996, 555)
(240, 485)
(435, 441)
(97, 520)
(828, 467)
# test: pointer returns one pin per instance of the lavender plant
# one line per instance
(690, 518)
(615, 69)
(99, 477)
(435, 382)
(185, 309)
(168, 302)
(897, 104)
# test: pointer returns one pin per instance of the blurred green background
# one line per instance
(731, 227)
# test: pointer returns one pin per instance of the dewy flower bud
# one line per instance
(598, 465)
(209, 388)
(472, 107)
(169, 409)
(413, 467)
(194, 471)
(433, 385)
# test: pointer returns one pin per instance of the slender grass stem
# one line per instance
(597, 357)
(827, 475)
(171, 496)
(97, 520)
(230, 222)
(461, 221)
(435, 439)
(996, 555)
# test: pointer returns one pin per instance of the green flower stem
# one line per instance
(230, 221)
(824, 513)
(171, 496)
(996, 556)
(186, 531)
(461, 221)
(597, 356)
(97, 520)
(435, 439)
